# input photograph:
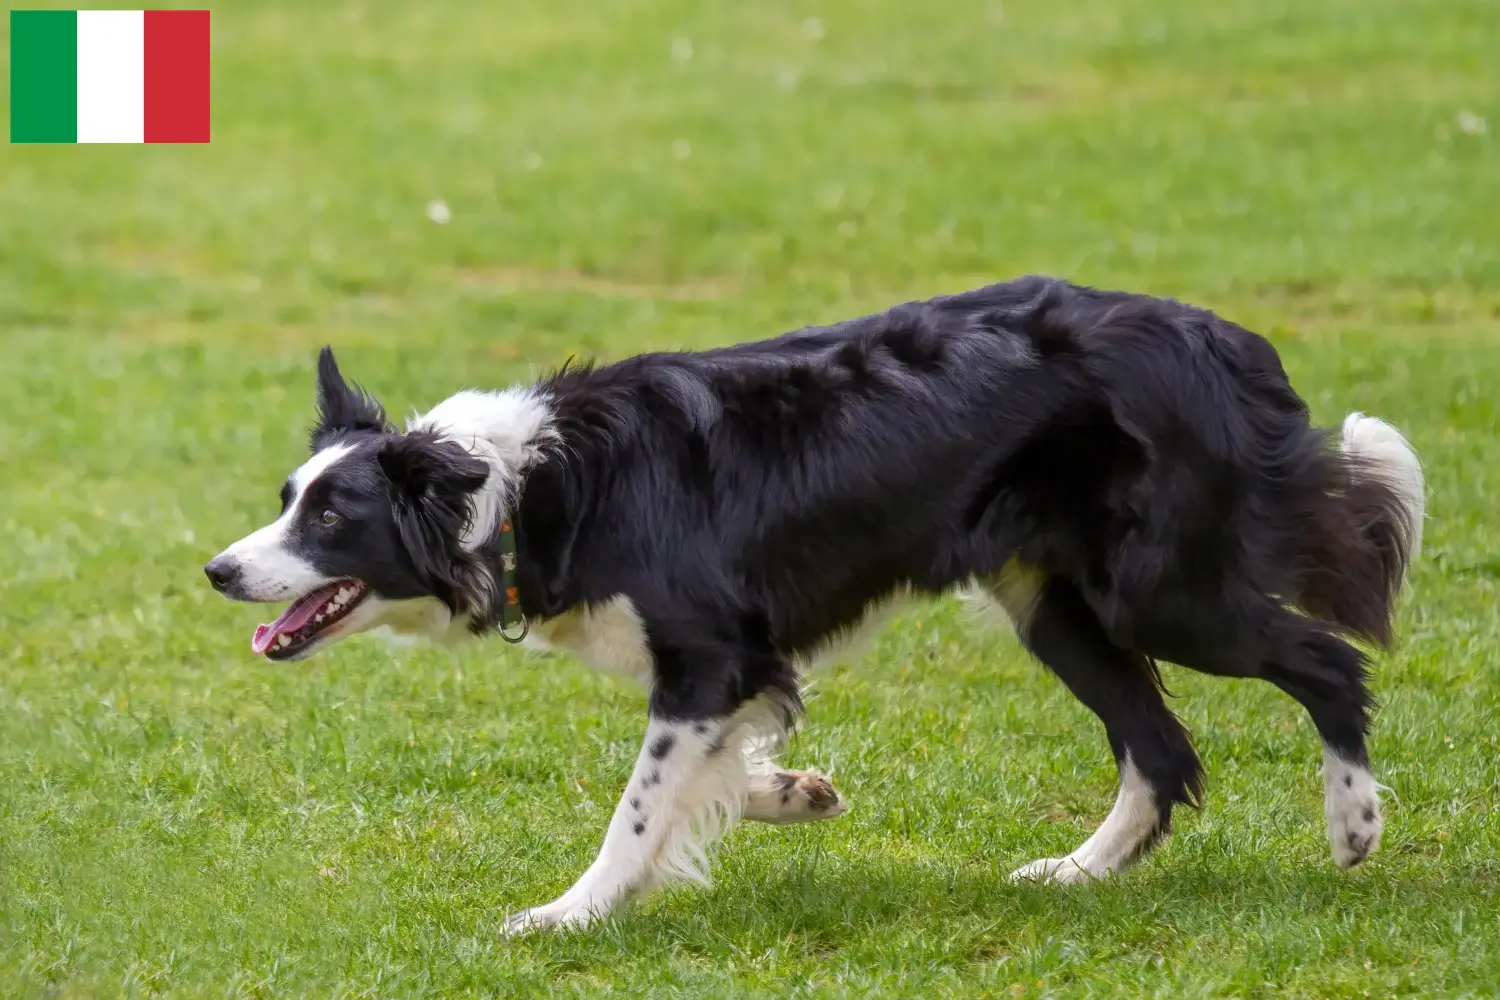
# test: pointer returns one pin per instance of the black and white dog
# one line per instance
(1131, 479)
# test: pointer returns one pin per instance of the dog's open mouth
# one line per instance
(308, 617)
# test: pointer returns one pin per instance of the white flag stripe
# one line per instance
(111, 76)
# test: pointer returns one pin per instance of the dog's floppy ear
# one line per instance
(342, 408)
(431, 486)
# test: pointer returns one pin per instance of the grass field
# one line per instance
(179, 817)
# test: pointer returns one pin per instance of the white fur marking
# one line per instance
(1351, 802)
(1114, 846)
(509, 430)
(607, 636)
(314, 467)
(1390, 457)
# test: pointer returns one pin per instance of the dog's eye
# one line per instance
(329, 518)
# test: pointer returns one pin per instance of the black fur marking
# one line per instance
(639, 827)
(700, 728)
(635, 803)
(432, 482)
(1369, 815)
(662, 746)
(1348, 781)
(653, 779)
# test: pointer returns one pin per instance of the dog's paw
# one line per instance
(557, 915)
(1055, 871)
(1354, 826)
(1352, 807)
(793, 797)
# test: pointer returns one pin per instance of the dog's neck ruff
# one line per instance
(510, 430)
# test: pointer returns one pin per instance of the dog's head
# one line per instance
(376, 530)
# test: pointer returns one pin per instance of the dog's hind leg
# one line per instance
(776, 795)
(773, 795)
(1157, 764)
(1327, 675)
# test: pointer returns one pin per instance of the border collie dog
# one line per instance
(1131, 480)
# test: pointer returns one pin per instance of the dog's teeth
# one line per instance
(283, 640)
(319, 618)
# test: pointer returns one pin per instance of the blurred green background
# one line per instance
(460, 193)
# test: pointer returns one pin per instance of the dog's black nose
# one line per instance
(221, 572)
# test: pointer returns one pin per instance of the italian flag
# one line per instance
(109, 76)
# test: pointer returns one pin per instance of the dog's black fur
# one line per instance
(1151, 459)
(1145, 462)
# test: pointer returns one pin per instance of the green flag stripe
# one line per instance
(43, 76)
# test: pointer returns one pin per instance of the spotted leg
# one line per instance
(682, 767)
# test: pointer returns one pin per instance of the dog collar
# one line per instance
(511, 615)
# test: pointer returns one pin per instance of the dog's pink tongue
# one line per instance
(263, 638)
(293, 618)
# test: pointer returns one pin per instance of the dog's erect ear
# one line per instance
(342, 408)
(432, 482)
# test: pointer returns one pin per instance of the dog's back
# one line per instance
(1139, 447)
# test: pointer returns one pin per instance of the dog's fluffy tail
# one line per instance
(1372, 531)
(1385, 464)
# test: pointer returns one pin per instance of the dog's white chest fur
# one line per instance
(607, 636)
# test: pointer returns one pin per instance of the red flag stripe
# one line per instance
(177, 83)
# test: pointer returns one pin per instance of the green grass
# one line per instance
(178, 817)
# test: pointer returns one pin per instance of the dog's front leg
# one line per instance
(684, 773)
